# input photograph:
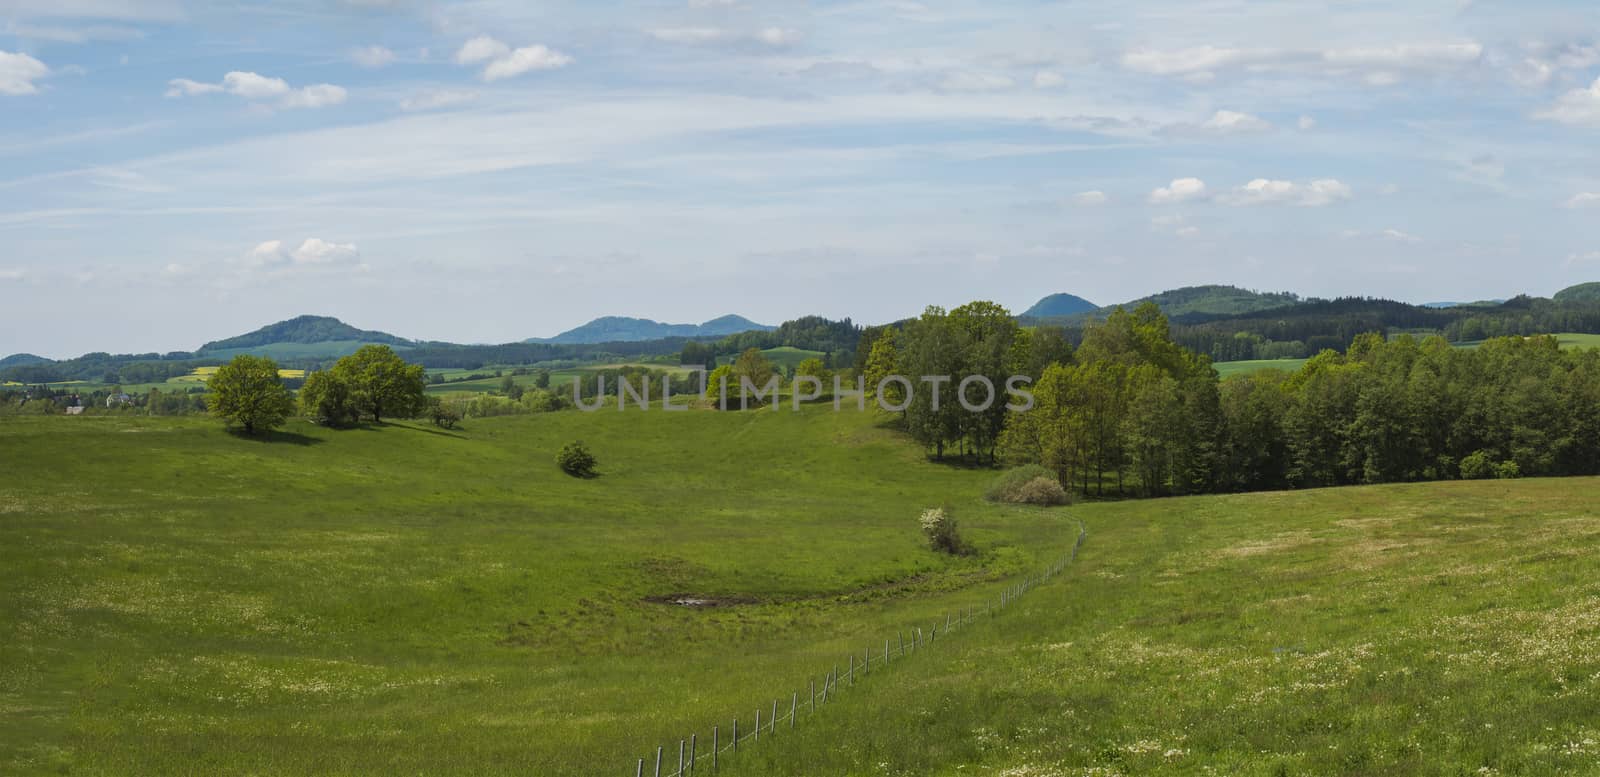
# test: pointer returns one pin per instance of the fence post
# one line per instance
(640, 771)
(850, 677)
(658, 761)
(694, 747)
(773, 725)
(716, 749)
(680, 758)
(758, 724)
(886, 651)
(813, 703)
(735, 735)
(794, 704)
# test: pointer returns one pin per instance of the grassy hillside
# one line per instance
(328, 349)
(407, 600)
(404, 599)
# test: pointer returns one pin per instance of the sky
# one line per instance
(487, 171)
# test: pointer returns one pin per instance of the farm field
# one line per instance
(404, 599)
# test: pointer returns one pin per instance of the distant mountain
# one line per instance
(622, 329)
(303, 330)
(1583, 292)
(1195, 301)
(1447, 305)
(1057, 305)
(22, 359)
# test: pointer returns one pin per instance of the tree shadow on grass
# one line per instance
(275, 436)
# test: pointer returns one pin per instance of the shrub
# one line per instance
(940, 529)
(443, 416)
(1477, 465)
(576, 460)
(1507, 470)
(1030, 484)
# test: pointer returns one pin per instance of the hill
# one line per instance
(456, 578)
(623, 329)
(22, 360)
(1583, 292)
(1057, 305)
(303, 329)
(1213, 300)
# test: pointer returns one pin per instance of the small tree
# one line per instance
(325, 399)
(940, 529)
(248, 392)
(576, 460)
(442, 415)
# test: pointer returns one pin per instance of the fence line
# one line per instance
(688, 748)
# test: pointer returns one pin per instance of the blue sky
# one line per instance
(486, 171)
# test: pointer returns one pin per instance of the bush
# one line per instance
(1030, 485)
(1477, 466)
(443, 416)
(576, 460)
(940, 529)
(1507, 470)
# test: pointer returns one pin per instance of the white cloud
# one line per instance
(1262, 191)
(1180, 190)
(481, 49)
(1375, 65)
(777, 36)
(1234, 122)
(318, 251)
(1048, 79)
(1398, 236)
(1306, 123)
(312, 252)
(372, 56)
(13, 274)
(1199, 59)
(433, 99)
(252, 86)
(703, 36)
(184, 87)
(1579, 107)
(1173, 225)
(18, 72)
(522, 60)
(505, 62)
(1093, 197)
(259, 88)
(315, 96)
(1592, 257)
(1584, 199)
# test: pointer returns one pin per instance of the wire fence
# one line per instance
(857, 667)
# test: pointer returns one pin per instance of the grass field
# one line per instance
(1226, 369)
(406, 600)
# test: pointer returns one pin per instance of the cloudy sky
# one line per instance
(486, 171)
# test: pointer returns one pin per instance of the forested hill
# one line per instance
(304, 329)
(623, 329)
(20, 359)
(1583, 292)
(1177, 304)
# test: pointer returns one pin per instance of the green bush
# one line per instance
(576, 460)
(1478, 465)
(940, 529)
(1507, 470)
(1029, 484)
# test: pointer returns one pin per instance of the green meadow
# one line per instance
(407, 600)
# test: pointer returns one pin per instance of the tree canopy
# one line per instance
(247, 392)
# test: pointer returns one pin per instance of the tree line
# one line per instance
(1130, 411)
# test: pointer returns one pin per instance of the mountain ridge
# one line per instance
(627, 329)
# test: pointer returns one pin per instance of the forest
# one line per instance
(1130, 411)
